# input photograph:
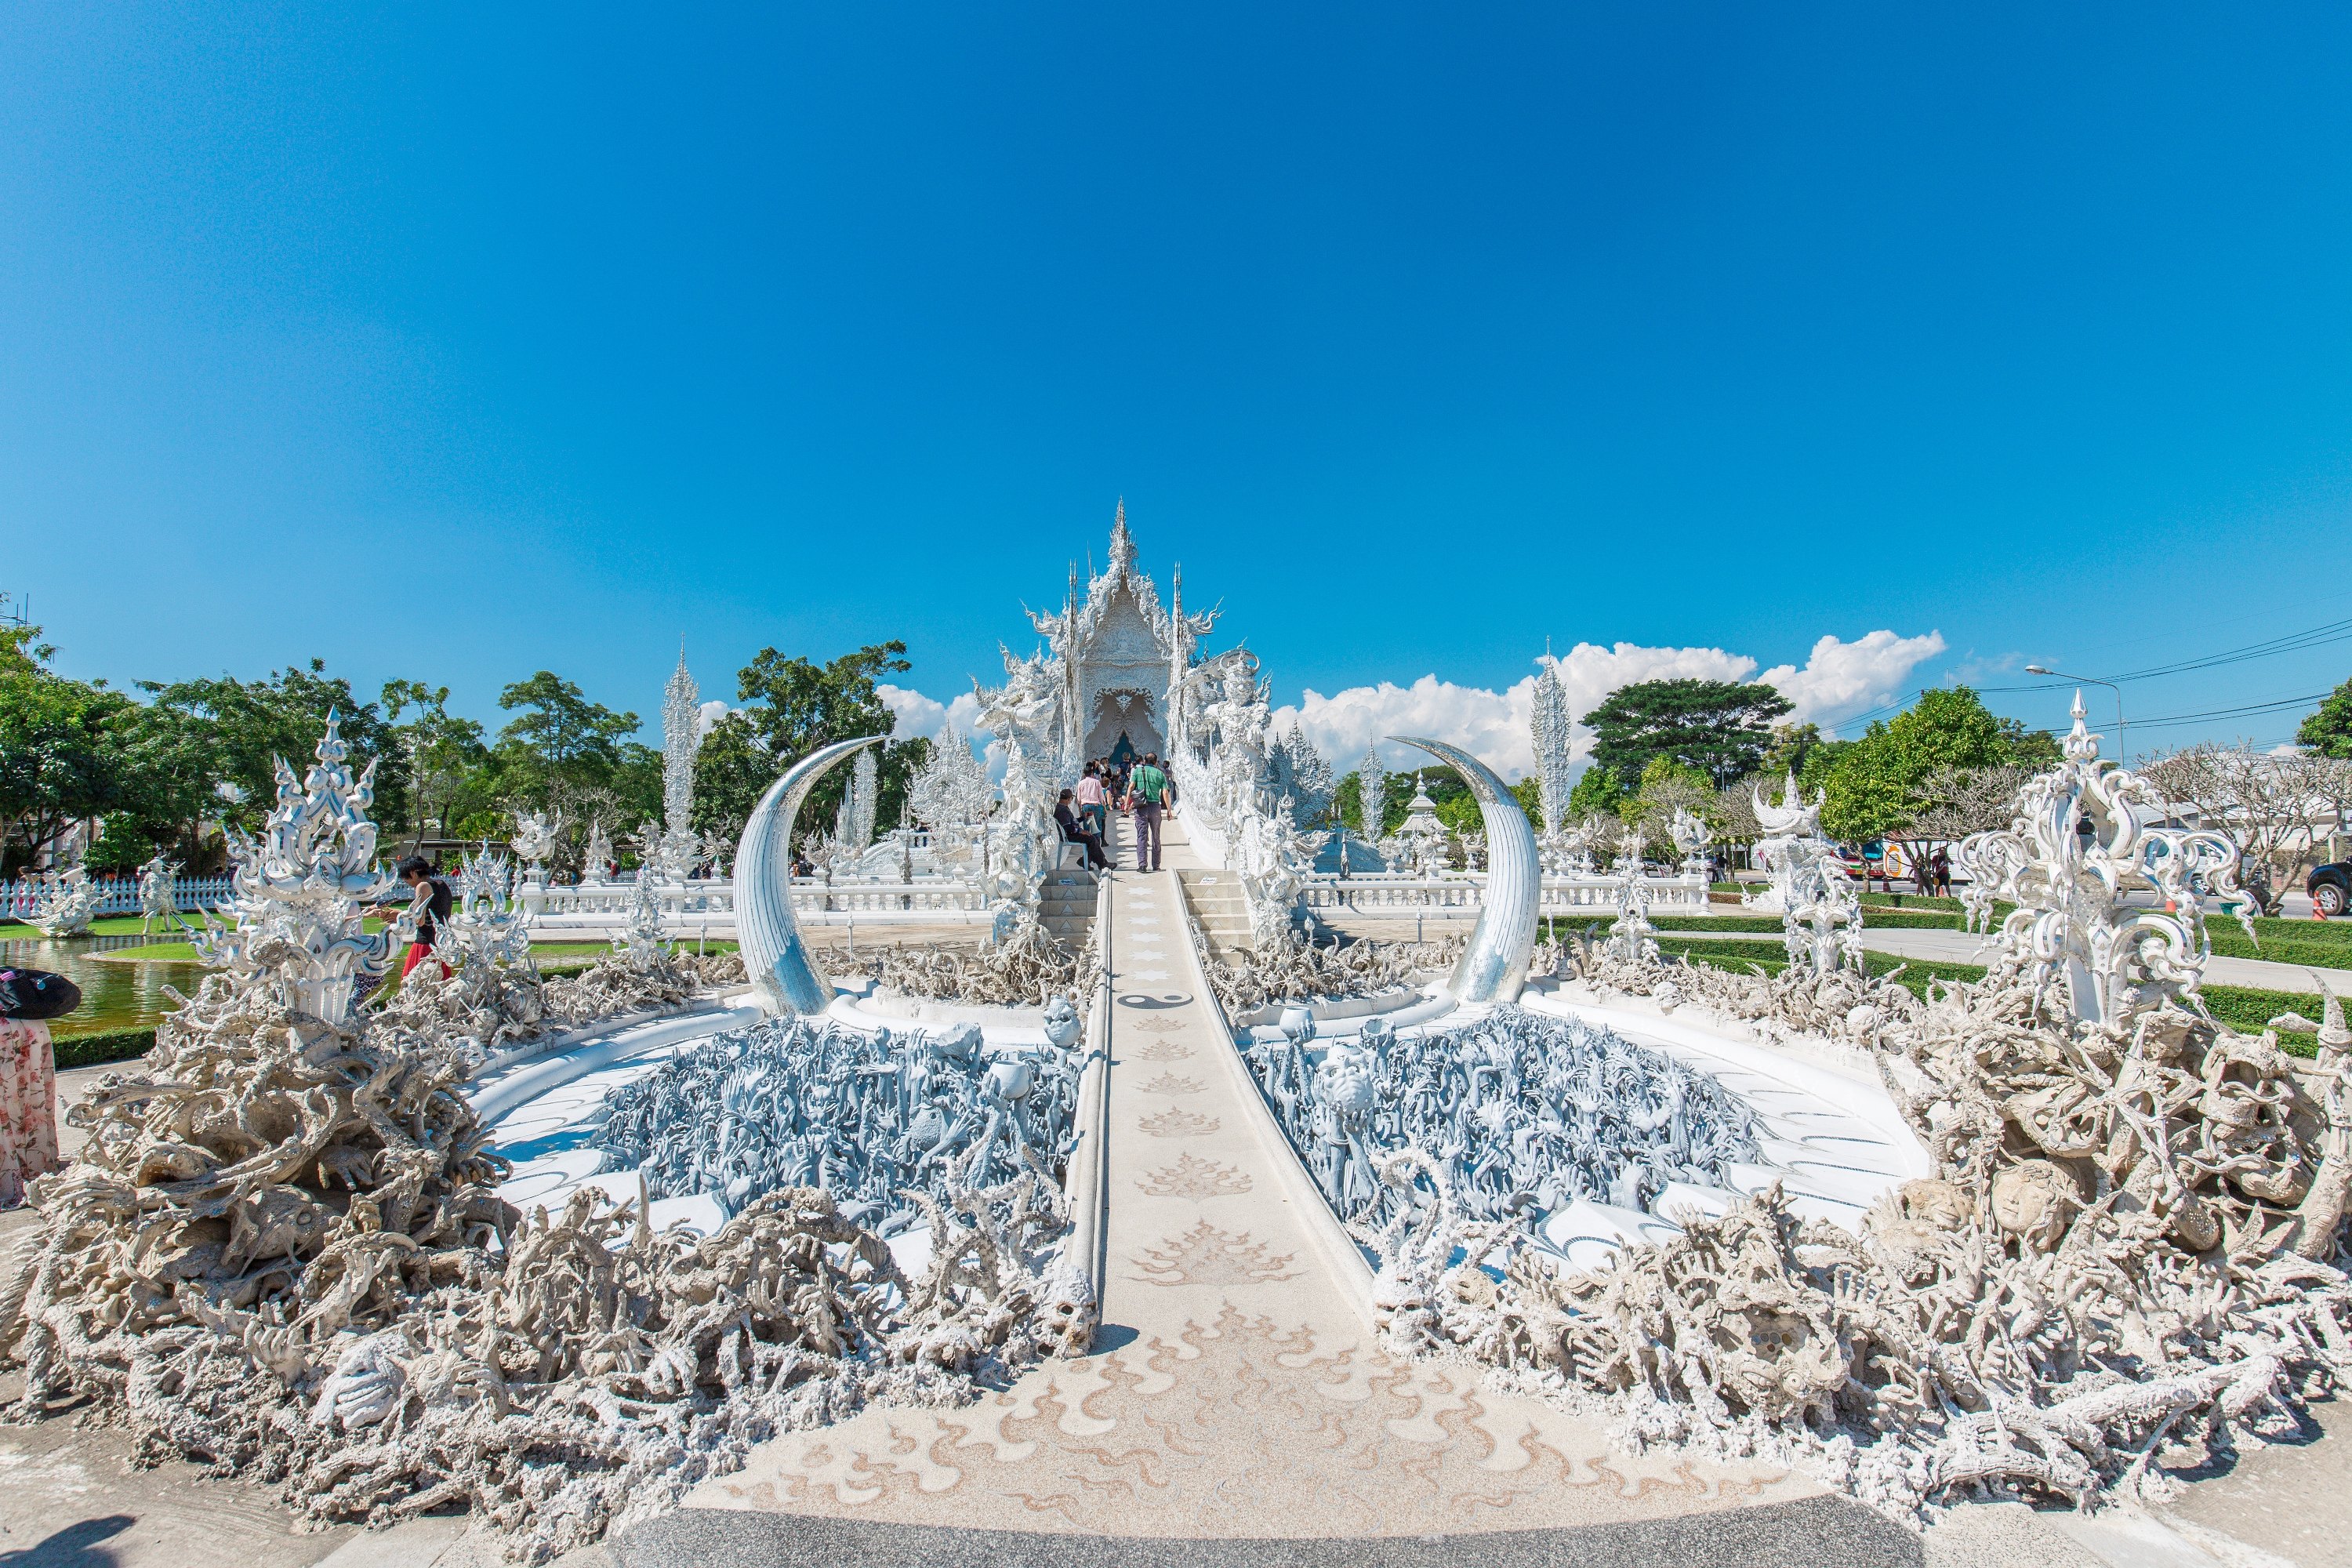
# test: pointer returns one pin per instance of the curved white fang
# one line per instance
(1495, 968)
(778, 962)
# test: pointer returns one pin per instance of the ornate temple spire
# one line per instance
(1122, 543)
(1552, 734)
(681, 739)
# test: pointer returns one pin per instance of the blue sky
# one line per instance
(459, 344)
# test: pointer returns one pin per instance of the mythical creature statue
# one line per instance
(159, 904)
(1820, 914)
(1021, 715)
(536, 836)
(67, 899)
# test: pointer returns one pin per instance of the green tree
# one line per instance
(1668, 785)
(2328, 729)
(1877, 784)
(1596, 793)
(791, 706)
(1719, 727)
(207, 749)
(444, 760)
(559, 736)
(60, 747)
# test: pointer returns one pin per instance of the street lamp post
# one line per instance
(2122, 752)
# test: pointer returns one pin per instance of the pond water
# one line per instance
(113, 995)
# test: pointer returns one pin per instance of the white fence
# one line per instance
(1684, 894)
(116, 895)
(708, 907)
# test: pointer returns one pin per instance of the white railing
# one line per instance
(116, 895)
(1676, 895)
(709, 905)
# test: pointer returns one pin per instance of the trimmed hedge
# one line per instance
(92, 1050)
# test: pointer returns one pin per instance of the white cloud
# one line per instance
(1843, 679)
(1838, 680)
(919, 715)
(708, 714)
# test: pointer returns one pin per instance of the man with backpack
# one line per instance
(1147, 789)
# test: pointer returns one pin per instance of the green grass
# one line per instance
(114, 1045)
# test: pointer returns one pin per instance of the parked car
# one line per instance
(2330, 887)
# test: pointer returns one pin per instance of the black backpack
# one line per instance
(36, 994)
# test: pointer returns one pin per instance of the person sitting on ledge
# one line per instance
(1074, 831)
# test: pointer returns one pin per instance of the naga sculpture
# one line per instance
(1494, 968)
(782, 972)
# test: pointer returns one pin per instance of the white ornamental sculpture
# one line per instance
(679, 851)
(297, 891)
(642, 944)
(1631, 937)
(1423, 835)
(951, 796)
(598, 865)
(2075, 848)
(1552, 747)
(1691, 836)
(1021, 715)
(158, 900)
(65, 902)
(1820, 914)
(535, 837)
(1372, 795)
(488, 928)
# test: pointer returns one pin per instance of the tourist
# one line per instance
(1093, 804)
(1075, 830)
(28, 1076)
(433, 902)
(1147, 787)
(1940, 872)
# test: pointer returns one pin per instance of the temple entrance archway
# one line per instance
(1122, 728)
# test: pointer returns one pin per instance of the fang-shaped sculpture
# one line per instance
(777, 961)
(1495, 969)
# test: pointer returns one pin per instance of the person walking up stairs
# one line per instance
(1148, 788)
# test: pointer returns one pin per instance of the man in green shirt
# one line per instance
(1149, 788)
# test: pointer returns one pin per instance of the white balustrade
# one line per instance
(1684, 894)
(118, 895)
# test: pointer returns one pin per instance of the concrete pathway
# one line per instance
(1966, 947)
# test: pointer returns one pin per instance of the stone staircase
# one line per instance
(1066, 904)
(1214, 896)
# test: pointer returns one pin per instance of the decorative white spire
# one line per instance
(1551, 738)
(681, 740)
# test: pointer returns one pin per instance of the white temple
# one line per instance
(1113, 655)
